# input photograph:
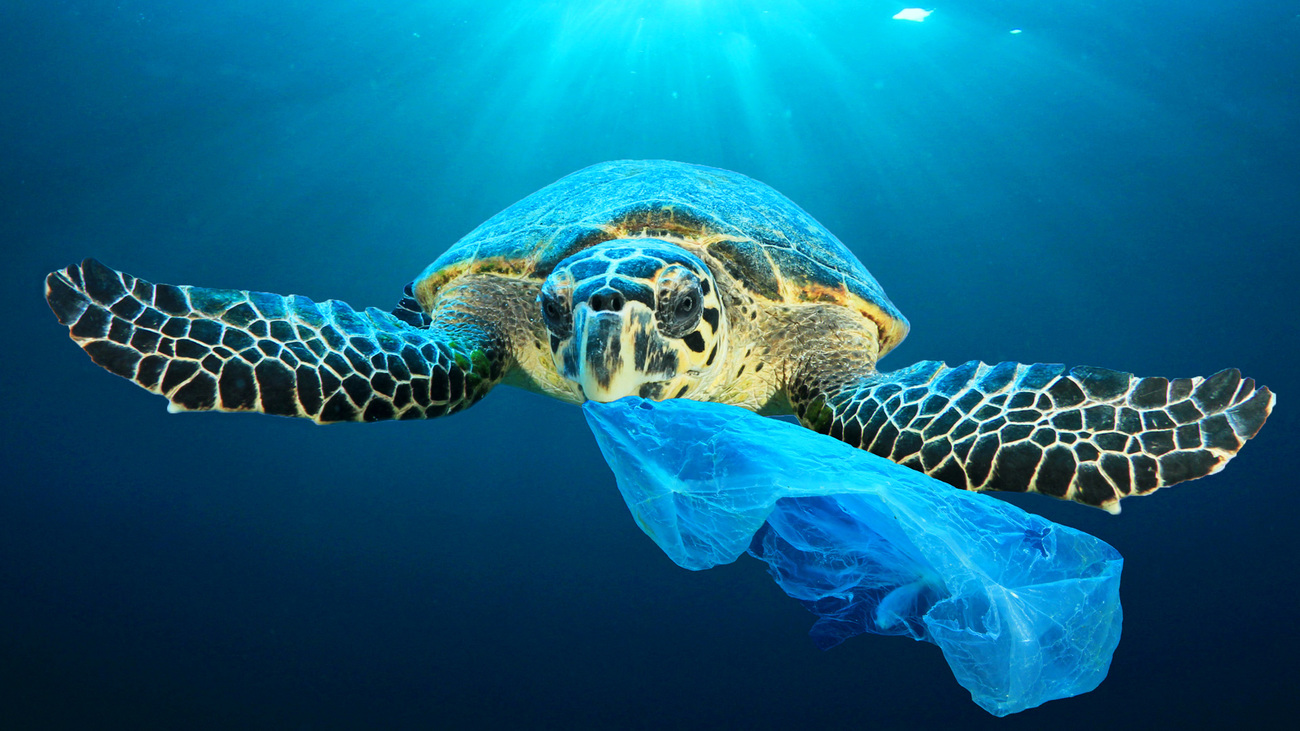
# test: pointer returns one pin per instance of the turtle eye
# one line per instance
(679, 310)
(556, 314)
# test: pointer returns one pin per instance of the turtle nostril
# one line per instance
(610, 301)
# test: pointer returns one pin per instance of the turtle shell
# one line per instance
(762, 238)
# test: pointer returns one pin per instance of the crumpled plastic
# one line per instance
(1024, 610)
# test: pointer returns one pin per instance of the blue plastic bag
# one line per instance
(1024, 610)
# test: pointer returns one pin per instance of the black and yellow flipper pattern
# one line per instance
(1086, 434)
(231, 350)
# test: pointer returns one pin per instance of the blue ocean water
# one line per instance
(1114, 185)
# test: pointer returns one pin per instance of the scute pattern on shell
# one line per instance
(792, 257)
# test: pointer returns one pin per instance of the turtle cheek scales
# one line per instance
(710, 315)
(228, 350)
(695, 342)
(653, 355)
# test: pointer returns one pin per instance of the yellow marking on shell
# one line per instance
(696, 240)
(427, 289)
(656, 222)
(809, 292)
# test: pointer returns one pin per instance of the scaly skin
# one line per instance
(1090, 435)
(230, 350)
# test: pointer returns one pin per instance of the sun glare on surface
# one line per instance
(915, 14)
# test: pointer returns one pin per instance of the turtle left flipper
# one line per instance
(1090, 435)
(231, 350)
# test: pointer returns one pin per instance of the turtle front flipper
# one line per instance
(1090, 435)
(230, 350)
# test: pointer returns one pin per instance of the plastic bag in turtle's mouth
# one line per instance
(1025, 610)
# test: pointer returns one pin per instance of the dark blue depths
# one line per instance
(1114, 187)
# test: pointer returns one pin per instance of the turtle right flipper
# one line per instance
(1090, 435)
(231, 350)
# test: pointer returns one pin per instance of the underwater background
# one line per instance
(1105, 183)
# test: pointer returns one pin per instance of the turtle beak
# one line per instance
(600, 349)
(619, 353)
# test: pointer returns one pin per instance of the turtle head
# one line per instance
(633, 317)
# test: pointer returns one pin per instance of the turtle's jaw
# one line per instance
(619, 354)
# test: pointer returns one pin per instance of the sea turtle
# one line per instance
(663, 280)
